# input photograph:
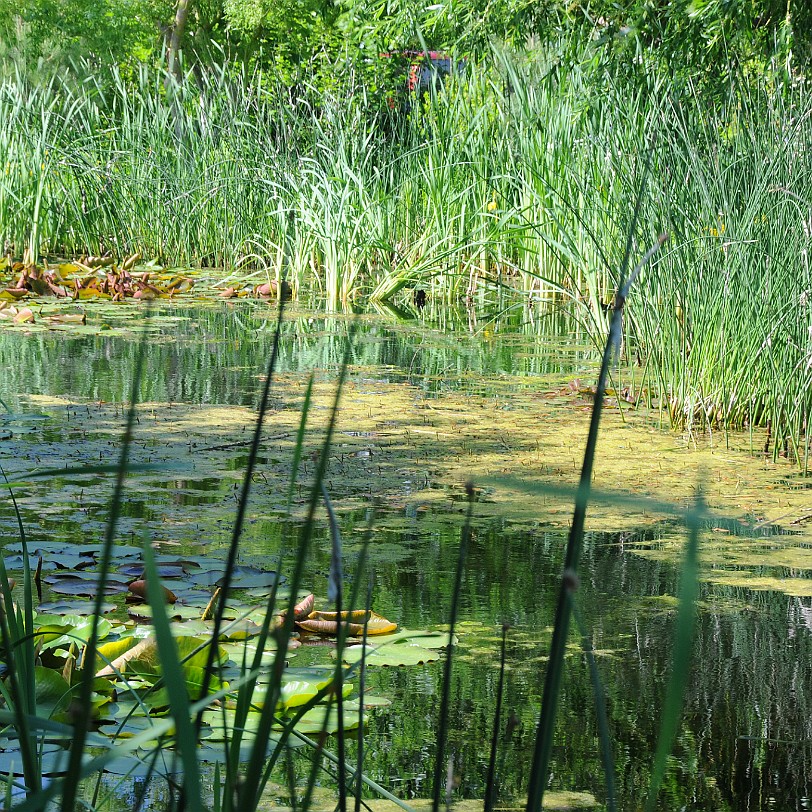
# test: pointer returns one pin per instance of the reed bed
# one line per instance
(517, 174)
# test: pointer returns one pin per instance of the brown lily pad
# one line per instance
(328, 623)
(138, 589)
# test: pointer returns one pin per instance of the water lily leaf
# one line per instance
(206, 578)
(52, 691)
(221, 722)
(54, 761)
(47, 634)
(70, 561)
(328, 623)
(132, 726)
(80, 586)
(252, 577)
(240, 630)
(74, 607)
(369, 702)
(164, 570)
(390, 654)
(176, 612)
(422, 638)
(163, 763)
(299, 692)
(246, 651)
(75, 629)
(194, 681)
(112, 657)
(324, 717)
(16, 562)
(190, 628)
(66, 575)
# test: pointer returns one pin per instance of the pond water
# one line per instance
(430, 402)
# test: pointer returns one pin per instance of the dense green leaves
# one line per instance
(710, 38)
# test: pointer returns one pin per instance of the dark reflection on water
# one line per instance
(745, 742)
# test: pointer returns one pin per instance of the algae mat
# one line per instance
(412, 451)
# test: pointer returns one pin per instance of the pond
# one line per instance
(434, 400)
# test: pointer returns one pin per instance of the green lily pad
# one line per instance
(165, 762)
(80, 586)
(133, 726)
(54, 761)
(52, 691)
(295, 693)
(74, 607)
(394, 655)
(325, 718)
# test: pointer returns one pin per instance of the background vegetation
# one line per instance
(686, 37)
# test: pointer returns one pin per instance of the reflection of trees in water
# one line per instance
(749, 678)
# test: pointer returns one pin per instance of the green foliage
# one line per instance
(710, 41)
(59, 32)
(280, 33)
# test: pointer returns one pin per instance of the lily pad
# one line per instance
(391, 655)
(74, 607)
(80, 586)
(53, 693)
(165, 763)
(54, 761)
(325, 718)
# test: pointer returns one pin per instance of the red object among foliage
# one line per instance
(422, 68)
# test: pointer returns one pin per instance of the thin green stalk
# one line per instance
(442, 726)
(681, 658)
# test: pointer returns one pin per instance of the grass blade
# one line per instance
(683, 646)
(442, 728)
